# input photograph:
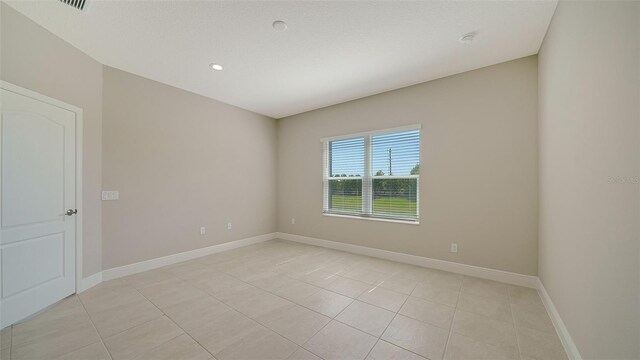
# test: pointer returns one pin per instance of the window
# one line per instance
(373, 175)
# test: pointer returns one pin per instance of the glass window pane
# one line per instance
(396, 154)
(395, 197)
(345, 195)
(346, 157)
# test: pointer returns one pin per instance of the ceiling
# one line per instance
(332, 51)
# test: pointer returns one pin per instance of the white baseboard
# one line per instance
(470, 270)
(464, 269)
(183, 256)
(90, 281)
(567, 342)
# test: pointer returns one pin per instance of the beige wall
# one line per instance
(472, 175)
(479, 182)
(479, 186)
(35, 59)
(201, 163)
(181, 161)
(589, 82)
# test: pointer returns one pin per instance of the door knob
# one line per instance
(71, 212)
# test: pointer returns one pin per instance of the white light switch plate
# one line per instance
(110, 195)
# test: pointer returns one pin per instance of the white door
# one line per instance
(37, 238)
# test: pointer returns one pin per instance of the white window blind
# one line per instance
(373, 175)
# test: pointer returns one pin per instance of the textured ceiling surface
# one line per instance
(332, 51)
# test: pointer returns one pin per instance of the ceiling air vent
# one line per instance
(78, 4)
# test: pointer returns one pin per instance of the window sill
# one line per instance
(409, 222)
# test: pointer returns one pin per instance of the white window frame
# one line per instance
(367, 178)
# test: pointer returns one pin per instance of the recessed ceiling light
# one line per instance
(216, 66)
(279, 25)
(467, 38)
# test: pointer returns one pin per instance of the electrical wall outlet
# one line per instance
(293, 221)
(203, 230)
(454, 248)
(229, 226)
(111, 195)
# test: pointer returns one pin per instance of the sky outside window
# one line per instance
(347, 156)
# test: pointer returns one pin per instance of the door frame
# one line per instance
(79, 135)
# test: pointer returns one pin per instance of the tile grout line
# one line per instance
(295, 303)
(378, 338)
(513, 320)
(52, 306)
(334, 318)
(133, 287)
(274, 294)
(386, 327)
(170, 319)
(264, 264)
(121, 331)
(268, 291)
(455, 311)
(450, 329)
(398, 313)
(305, 343)
(94, 327)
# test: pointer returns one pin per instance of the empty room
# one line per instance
(319, 180)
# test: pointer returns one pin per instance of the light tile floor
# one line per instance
(283, 300)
